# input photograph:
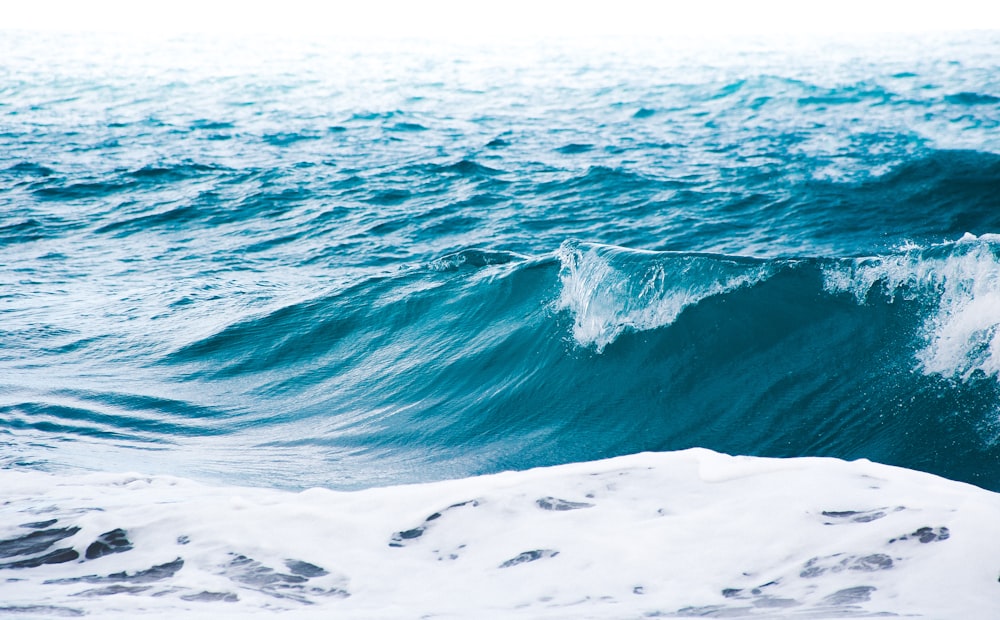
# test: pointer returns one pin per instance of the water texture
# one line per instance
(294, 263)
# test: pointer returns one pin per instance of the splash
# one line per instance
(960, 284)
(611, 290)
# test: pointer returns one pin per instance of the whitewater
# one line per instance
(544, 329)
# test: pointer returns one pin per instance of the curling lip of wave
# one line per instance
(610, 291)
(959, 282)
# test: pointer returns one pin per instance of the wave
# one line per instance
(488, 360)
(818, 203)
(484, 359)
(972, 98)
(938, 194)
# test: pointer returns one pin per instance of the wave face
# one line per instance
(277, 269)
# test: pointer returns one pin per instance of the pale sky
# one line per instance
(501, 18)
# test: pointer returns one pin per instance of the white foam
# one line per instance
(648, 535)
(960, 281)
(610, 290)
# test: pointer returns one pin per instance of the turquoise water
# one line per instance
(294, 263)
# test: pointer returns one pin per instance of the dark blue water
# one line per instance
(296, 263)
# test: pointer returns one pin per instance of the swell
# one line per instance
(786, 196)
(485, 361)
(943, 192)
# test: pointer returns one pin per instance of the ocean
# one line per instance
(275, 311)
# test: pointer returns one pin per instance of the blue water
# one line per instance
(295, 263)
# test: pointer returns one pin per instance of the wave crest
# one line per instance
(959, 281)
(475, 258)
(610, 290)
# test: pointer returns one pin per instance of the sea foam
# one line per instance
(683, 534)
